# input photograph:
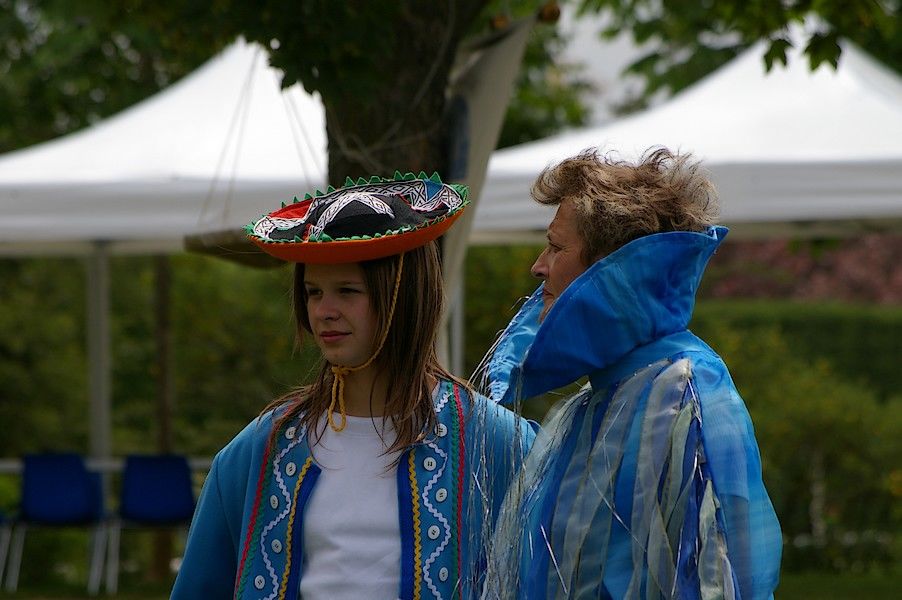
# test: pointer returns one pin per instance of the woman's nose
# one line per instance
(539, 268)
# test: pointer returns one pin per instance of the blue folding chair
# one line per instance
(157, 492)
(59, 491)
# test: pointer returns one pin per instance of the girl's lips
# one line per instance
(332, 336)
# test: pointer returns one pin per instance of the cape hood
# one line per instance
(642, 292)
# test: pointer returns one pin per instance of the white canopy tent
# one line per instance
(211, 151)
(790, 151)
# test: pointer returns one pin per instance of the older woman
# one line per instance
(648, 482)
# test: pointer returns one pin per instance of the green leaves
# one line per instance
(64, 65)
(776, 52)
(690, 39)
(335, 48)
(823, 47)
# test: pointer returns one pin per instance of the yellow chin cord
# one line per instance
(339, 372)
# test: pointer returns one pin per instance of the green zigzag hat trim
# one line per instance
(461, 190)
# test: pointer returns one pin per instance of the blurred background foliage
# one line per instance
(821, 378)
(821, 381)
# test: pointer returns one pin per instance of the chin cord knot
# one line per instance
(339, 371)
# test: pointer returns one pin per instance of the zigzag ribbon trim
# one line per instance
(417, 540)
(460, 482)
(441, 518)
(288, 535)
(252, 528)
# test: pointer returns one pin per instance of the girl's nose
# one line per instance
(324, 308)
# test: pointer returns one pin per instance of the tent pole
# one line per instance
(162, 543)
(163, 337)
(100, 383)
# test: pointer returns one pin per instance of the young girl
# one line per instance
(382, 478)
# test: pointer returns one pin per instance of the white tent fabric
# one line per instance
(209, 152)
(788, 146)
(785, 148)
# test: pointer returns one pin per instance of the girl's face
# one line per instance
(340, 312)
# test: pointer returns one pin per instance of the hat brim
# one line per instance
(349, 251)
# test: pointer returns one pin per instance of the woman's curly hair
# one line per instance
(617, 201)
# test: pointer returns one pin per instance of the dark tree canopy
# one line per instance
(64, 65)
(382, 68)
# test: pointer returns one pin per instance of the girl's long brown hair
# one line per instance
(408, 360)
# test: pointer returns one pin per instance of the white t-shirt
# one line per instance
(352, 538)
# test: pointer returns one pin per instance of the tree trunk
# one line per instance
(400, 124)
(818, 500)
(163, 337)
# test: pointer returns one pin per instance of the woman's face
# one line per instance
(340, 312)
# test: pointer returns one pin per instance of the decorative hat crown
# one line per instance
(364, 220)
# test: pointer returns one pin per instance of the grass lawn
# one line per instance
(798, 586)
(829, 586)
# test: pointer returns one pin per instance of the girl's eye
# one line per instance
(311, 292)
(346, 290)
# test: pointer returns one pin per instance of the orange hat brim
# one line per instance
(348, 251)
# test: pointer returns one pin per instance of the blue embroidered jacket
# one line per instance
(246, 539)
(647, 483)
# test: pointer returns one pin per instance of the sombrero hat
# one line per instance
(364, 220)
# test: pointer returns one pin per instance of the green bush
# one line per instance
(43, 370)
(233, 354)
(860, 342)
(233, 350)
(830, 451)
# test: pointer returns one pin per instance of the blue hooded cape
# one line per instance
(647, 483)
